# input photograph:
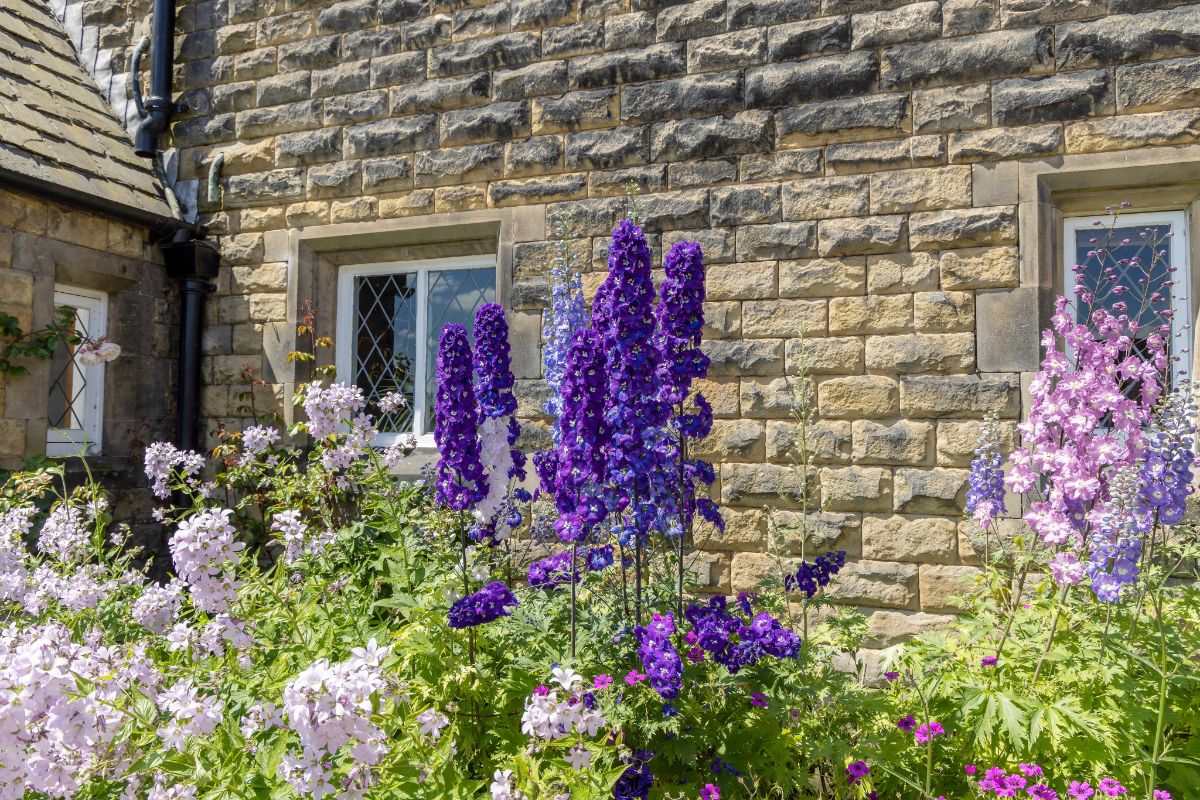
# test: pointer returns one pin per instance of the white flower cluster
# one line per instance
(328, 408)
(192, 714)
(64, 534)
(206, 553)
(550, 718)
(224, 629)
(502, 788)
(296, 538)
(101, 351)
(15, 524)
(82, 589)
(162, 458)
(158, 607)
(255, 441)
(59, 720)
(331, 706)
(496, 457)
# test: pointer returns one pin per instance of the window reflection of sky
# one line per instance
(1135, 268)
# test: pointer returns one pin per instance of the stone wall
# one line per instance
(850, 167)
(43, 243)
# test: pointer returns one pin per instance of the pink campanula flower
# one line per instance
(1080, 790)
(634, 677)
(710, 792)
(1112, 788)
(602, 681)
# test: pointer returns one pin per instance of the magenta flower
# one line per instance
(1080, 790)
(758, 699)
(906, 724)
(710, 792)
(602, 681)
(989, 661)
(1111, 788)
(929, 731)
(634, 677)
(1159, 794)
(891, 676)
(969, 769)
(856, 771)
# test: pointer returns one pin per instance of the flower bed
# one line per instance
(487, 633)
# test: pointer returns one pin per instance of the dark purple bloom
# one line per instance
(906, 724)
(989, 661)
(734, 643)
(550, 571)
(856, 771)
(460, 480)
(636, 780)
(680, 314)
(493, 362)
(809, 578)
(660, 659)
(579, 460)
(489, 603)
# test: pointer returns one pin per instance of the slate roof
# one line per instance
(54, 125)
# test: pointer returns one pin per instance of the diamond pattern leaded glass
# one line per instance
(1130, 263)
(454, 296)
(68, 390)
(385, 344)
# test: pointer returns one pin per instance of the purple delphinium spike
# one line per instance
(460, 482)
(493, 362)
(580, 462)
(680, 315)
(563, 318)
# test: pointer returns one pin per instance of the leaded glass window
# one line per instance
(76, 395)
(389, 319)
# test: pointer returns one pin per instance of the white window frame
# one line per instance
(347, 317)
(1181, 295)
(88, 439)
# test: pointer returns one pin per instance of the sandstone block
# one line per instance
(355, 209)
(761, 484)
(941, 582)
(859, 396)
(490, 52)
(876, 583)
(358, 107)
(691, 20)
(826, 355)
(387, 174)
(745, 281)
(823, 78)
(287, 88)
(392, 70)
(469, 197)
(977, 547)
(722, 320)
(967, 59)
(262, 188)
(1050, 98)
(744, 357)
(759, 13)
(780, 240)
(1159, 85)
(744, 205)
(870, 314)
(780, 165)
(808, 37)
(573, 40)
(828, 441)
(745, 531)
(532, 156)
(979, 268)
(272, 120)
(722, 395)
(745, 132)
(793, 533)
(623, 31)
(547, 77)
(897, 538)
(783, 318)
(539, 13)
(339, 79)
(897, 273)
(921, 352)
(1133, 130)
(819, 277)
(824, 198)
(616, 182)
(727, 51)
(941, 396)
(917, 22)
(944, 312)
(733, 440)
(690, 174)
(308, 147)
(952, 109)
(575, 111)
(654, 62)
(690, 96)
(459, 164)
(750, 570)
(604, 149)
(301, 215)
(935, 230)
(389, 136)
(843, 120)
(1125, 38)
(939, 490)
(857, 236)
(919, 151)
(768, 398)
(495, 122)
(887, 628)
(920, 190)
(902, 442)
(996, 144)
(957, 441)
(441, 94)
(524, 191)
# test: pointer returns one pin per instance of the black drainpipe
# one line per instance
(192, 262)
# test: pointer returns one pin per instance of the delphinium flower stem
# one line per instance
(462, 539)
(1160, 721)
(683, 522)
(574, 577)
(1062, 600)
(624, 580)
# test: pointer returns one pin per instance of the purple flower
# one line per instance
(563, 318)
(1110, 787)
(929, 731)
(809, 578)
(489, 603)
(856, 771)
(907, 723)
(732, 641)
(493, 362)
(758, 699)
(1080, 790)
(680, 314)
(891, 676)
(659, 657)
(636, 780)
(985, 492)
(460, 481)
(989, 661)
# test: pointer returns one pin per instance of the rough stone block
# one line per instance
(952, 109)
(717, 243)
(358, 107)
(871, 314)
(768, 398)
(491, 52)
(876, 583)
(387, 174)
(745, 531)
(1133, 130)
(623, 31)
(916, 22)
(744, 281)
(844, 120)
(1159, 85)
(918, 151)
(857, 236)
(616, 182)
(575, 111)
(745, 132)
(761, 484)
(654, 62)
(308, 147)
(825, 198)
(920, 190)
(939, 490)
(605, 149)
(339, 179)
(932, 540)
(968, 59)
(691, 20)
(979, 268)
(1008, 330)
(547, 77)
(940, 396)
(780, 240)
(961, 17)
(1050, 98)
(258, 122)
(691, 174)
(533, 156)
(690, 96)
(808, 37)
(902, 442)
(524, 191)
(722, 320)
(1126, 38)
(732, 440)
(727, 51)
(898, 273)
(495, 122)
(539, 13)
(424, 97)
(821, 78)
(957, 441)
(829, 441)
(262, 188)
(780, 165)
(921, 352)
(822, 277)
(835, 355)
(722, 395)
(783, 318)
(996, 144)
(744, 357)
(459, 164)
(941, 582)
(944, 312)
(393, 70)
(858, 396)
(855, 488)
(936, 230)
(760, 13)
(391, 136)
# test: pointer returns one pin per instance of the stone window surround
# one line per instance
(1048, 190)
(314, 254)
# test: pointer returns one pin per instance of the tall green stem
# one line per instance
(574, 576)
(1062, 599)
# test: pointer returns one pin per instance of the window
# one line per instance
(1131, 262)
(76, 403)
(388, 323)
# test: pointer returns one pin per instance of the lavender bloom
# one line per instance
(563, 318)
(1166, 471)
(460, 480)
(489, 603)
(661, 661)
(736, 644)
(985, 493)
(579, 462)
(1116, 543)
(555, 570)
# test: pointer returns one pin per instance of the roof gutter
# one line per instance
(160, 226)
